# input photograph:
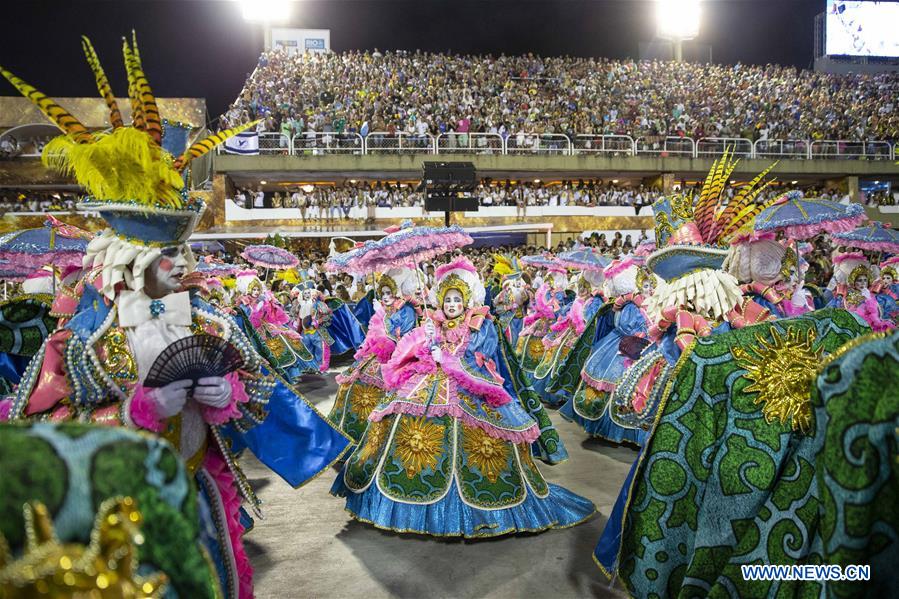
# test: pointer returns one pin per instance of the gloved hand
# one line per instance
(437, 354)
(213, 391)
(170, 399)
(430, 329)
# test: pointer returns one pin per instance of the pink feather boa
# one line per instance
(215, 465)
(143, 411)
(413, 357)
(574, 319)
(541, 307)
(143, 408)
(870, 311)
(377, 342)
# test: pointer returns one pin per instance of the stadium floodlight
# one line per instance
(265, 11)
(677, 20)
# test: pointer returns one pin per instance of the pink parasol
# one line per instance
(269, 256)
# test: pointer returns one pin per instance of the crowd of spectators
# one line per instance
(418, 93)
(20, 201)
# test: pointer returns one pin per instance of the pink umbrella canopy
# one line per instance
(400, 247)
(269, 256)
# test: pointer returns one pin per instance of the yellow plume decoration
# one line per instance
(123, 166)
(502, 265)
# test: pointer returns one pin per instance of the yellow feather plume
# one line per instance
(125, 165)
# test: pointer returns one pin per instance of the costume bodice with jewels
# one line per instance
(463, 380)
(92, 368)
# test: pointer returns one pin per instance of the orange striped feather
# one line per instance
(115, 116)
(705, 206)
(56, 113)
(206, 144)
(137, 113)
(152, 122)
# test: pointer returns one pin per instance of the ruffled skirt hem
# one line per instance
(451, 517)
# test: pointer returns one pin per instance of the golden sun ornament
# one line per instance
(418, 443)
(781, 372)
(488, 454)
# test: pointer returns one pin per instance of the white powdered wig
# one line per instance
(757, 261)
(709, 293)
(594, 277)
(622, 282)
(464, 270)
(559, 280)
(120, 261)
(405, 279)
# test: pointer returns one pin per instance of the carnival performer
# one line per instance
(362, 386)
(346, 332)
(861, 301)
(267, 324)
(543, 312)
(573, 321)
(628, 286)
(770, 274)
(312, 317)
(696, 297)
(449, 452)
(511, 303)
(95, 368)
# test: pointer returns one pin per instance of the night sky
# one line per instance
(204, 48)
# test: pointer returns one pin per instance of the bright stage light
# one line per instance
(677, 19)
(265, 11)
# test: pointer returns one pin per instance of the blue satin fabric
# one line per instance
(13, 367)
(603, 427)
(450, 516)
(294, 440)
(345, 330)
(888, 306)
(364, 309)
(403, 320)
(606, 551)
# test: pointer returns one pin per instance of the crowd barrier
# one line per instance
(549, 144)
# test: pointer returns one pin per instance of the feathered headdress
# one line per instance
(693, 234)
(136, 184)
(460, 274)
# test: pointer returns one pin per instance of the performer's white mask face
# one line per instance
(163, 276)
(255, 291)
(307, 295)
(452, 303)
(887, 280)
(386, 295)
(647, 288)
(861, 282)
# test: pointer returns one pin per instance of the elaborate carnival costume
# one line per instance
(312, 320)
(94, 368)
(362, 386)
(267, 324)
(346, 331)
(770, 274)
(875, 309)
(511, 303)
(449, 452)
(695, 298)
(628, 286)
(574, 319)
(543, 312)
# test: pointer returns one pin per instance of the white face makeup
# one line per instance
(386, 295)
(887, 280)
(307, 295)
(255, 292)
(452, 304)
(861, 282)
(647, 288)
(164, 274)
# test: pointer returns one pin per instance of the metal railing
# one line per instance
(470, 143)
(323, 143)
(796, 149)
(538, 143)
(715, 146)
(381, 142)
(616, 145)
(320, 144)
(666, 146)
(835, 149)
(274, 143)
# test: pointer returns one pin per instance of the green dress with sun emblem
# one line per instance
(448, 452)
